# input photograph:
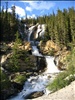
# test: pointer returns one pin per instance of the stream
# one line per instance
(39, 82)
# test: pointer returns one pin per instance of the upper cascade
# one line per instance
(36, 31)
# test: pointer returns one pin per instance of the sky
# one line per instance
(34, 8)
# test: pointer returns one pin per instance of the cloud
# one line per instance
(40, 5)
(31, 16)
(28, 9)
(18, 10)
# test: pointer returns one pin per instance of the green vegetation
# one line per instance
(65, 78)
(20, 79)
(10, 24)
(14, 61)
(60, 27)
(4, 81)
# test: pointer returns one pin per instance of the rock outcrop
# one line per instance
(49, 47)
(34, 95)
(27, 46)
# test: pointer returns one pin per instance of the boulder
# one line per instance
(62, 63)
(27, 46)
(11, 44)
(7, 93)
(34, 95)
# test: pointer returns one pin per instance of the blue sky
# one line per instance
(37, 8)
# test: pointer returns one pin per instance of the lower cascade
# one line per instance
(38, 83)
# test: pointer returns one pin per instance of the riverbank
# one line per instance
(66, 93)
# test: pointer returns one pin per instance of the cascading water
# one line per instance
(51, 67)
(35, 51)
(39, 82)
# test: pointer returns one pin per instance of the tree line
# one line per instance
(10, 24)
(60, 27)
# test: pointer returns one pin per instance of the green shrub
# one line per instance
(58, 82)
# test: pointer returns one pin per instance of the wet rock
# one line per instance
(34, 95)
(7, 93)
(17, 86)
(42, 63)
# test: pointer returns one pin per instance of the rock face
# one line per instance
(34, 95)
(7, 92)
(48, 47)
(26, 46)
(42, 64)
(62, 64)
(5, 57)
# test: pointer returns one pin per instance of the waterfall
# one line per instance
(40, 30)
(43, 30)
(35, 51)
(39, 82)
(51, 67)
(31, 30)
(39, 33)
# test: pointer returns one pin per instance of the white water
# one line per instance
(31, 29)
(51, 67)
(33, 84)
(43, 30)
(40, 31)
(38, 83)
(35, 51)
